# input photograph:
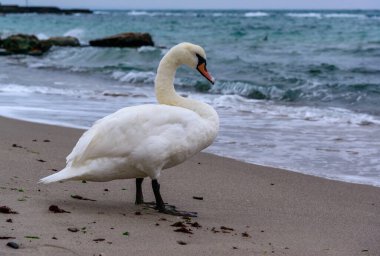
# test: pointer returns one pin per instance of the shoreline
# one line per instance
(271, 211)
(82, 128)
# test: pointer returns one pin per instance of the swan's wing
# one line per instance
(157, 131)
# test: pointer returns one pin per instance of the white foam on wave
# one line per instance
(42, 36)
(325, 116)
(233, 87)
(75, 32)
(135, 77)
(159, 13)
(344, 15)
(138, 13)
(146, 49)
(326, 15)
(17, 89)
(101, 12)
(256, 14)
(305, 15)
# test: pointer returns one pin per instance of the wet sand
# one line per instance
(246, 209)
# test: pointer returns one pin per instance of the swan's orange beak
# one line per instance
(203, 70)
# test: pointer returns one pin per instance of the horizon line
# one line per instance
(206, 9)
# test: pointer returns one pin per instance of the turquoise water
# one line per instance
(295, 89)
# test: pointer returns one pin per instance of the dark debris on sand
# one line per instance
(7, 237)
(6, 210)
(195, 225)
(198, 197)
(214, 230)
(81, 198)
(226, 228)
(74, 230)
(181, 243)
(184, 230)
(179, 224)
(245, 234)
(56, 209)
(13, 245)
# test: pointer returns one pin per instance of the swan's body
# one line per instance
(136, 142)
(140, 141)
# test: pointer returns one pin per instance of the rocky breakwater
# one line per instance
(124, 40)
(63, 41)
(31, 45)
(6, 9)
(24, 44)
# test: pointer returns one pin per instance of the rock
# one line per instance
(124, 40)
(25, 44)
(62, 41)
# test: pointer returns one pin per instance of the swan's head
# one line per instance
(193, 56)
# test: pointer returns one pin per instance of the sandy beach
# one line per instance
(246, 209)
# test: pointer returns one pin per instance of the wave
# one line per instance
(76, 32)
(138, 13)
(160, 13)
(217, 14)
(23, 89)
(344, 15)
(256, 14)
(326, 15)
(135, 77)
(328, 115)
(146, 49)
(102, 12)
(42, 36)
(304, 15)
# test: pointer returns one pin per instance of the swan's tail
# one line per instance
(65, 174)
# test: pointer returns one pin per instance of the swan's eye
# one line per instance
(201, 60)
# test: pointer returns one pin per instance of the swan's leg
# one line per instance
(139, 194)
(156, 190)
(160, 205)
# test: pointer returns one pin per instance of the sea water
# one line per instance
(298, 90)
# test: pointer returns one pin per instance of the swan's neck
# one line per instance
(166, 94)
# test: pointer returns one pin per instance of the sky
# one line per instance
(204, 4)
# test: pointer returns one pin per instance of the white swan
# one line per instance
(140, 141)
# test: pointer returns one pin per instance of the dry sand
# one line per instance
(282, 213)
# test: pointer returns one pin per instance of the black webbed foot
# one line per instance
(166, 208)
(153, 205)
(174, 212)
